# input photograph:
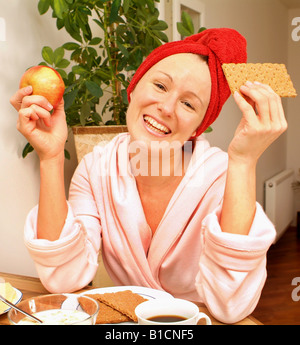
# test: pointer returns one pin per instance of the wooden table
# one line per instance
(31, 287)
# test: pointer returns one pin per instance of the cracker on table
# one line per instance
(107, 314)
(274, 75)
(124, 301)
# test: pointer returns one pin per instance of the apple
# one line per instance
(45, 81)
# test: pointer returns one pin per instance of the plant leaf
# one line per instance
(71, 46)
(69, 98)
(67, 154)
(94, 41)
(161, 25)
(63, 63)
(27, 149)
(123, 49)
(62, 73)
(85, 111)
(48, 55)
(182, 30)
(161, 35)
(79, 70)
(58, 54)
(126, 5)
(124, 96)
(94, 88)
(208, 130)
(114, 13)
(187, 22)
(60, 7)
(43, 6)
(201, 29)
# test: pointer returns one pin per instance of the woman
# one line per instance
(195, 231)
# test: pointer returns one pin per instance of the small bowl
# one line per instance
(77, 310)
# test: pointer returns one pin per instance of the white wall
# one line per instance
(26, 33)
(265, 23)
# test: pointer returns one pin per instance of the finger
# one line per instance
(261, 98)
(38, 100)
(34, 113)
(16, 99)
(59, 109)
(277, 115)
(251, 102)
(246, 107)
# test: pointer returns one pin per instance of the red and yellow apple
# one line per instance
(45, 81)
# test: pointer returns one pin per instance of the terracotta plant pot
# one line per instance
(86, 138)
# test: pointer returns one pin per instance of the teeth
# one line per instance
(155, 125)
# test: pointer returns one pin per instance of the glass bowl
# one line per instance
(56, 309)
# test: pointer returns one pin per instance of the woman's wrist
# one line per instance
(53, 160)
(242, 162)
(239, 202)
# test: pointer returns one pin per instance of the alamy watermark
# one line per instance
(296, 290)
(296, 30)
(158, 158)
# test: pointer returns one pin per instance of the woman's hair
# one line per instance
(203, 57)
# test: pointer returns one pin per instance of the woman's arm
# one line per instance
(47, 133)
(53, 207)
(262, 123)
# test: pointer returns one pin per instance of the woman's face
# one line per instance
(170, 100)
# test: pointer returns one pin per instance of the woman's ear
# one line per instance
(194, 135)
(131, 94)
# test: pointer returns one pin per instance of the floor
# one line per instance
(276, 306)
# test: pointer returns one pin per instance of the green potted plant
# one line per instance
(109, 40)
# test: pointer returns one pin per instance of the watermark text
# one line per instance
(296, 30)
(296, 290)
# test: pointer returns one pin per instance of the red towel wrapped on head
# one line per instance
(222, 45)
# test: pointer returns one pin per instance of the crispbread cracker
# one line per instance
(274, 75)
(124, 301)
(107, 314)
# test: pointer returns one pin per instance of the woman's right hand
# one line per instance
(47, 133)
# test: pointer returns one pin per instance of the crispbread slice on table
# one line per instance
(124, 301)
(108, 314)
(274, 75)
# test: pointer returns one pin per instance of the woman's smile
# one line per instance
(152, 125)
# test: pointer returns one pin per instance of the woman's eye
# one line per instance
(160, 86)
(188, 104)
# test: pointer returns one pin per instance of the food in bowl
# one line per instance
(8, 292)
(56, 317)
(56, 309)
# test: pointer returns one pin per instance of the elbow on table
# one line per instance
(233, 313)
(55, 288)
(57, 282)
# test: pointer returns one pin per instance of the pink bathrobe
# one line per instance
(188, 256)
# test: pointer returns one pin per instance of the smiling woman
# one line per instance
(204, 222)
(166, 105)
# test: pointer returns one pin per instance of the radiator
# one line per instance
(279, 200)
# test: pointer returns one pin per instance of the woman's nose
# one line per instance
(167, 106)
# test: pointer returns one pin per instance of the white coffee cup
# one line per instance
(188, 312)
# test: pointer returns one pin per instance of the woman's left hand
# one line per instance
(262, 123)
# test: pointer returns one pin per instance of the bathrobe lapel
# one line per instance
(127, 238)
